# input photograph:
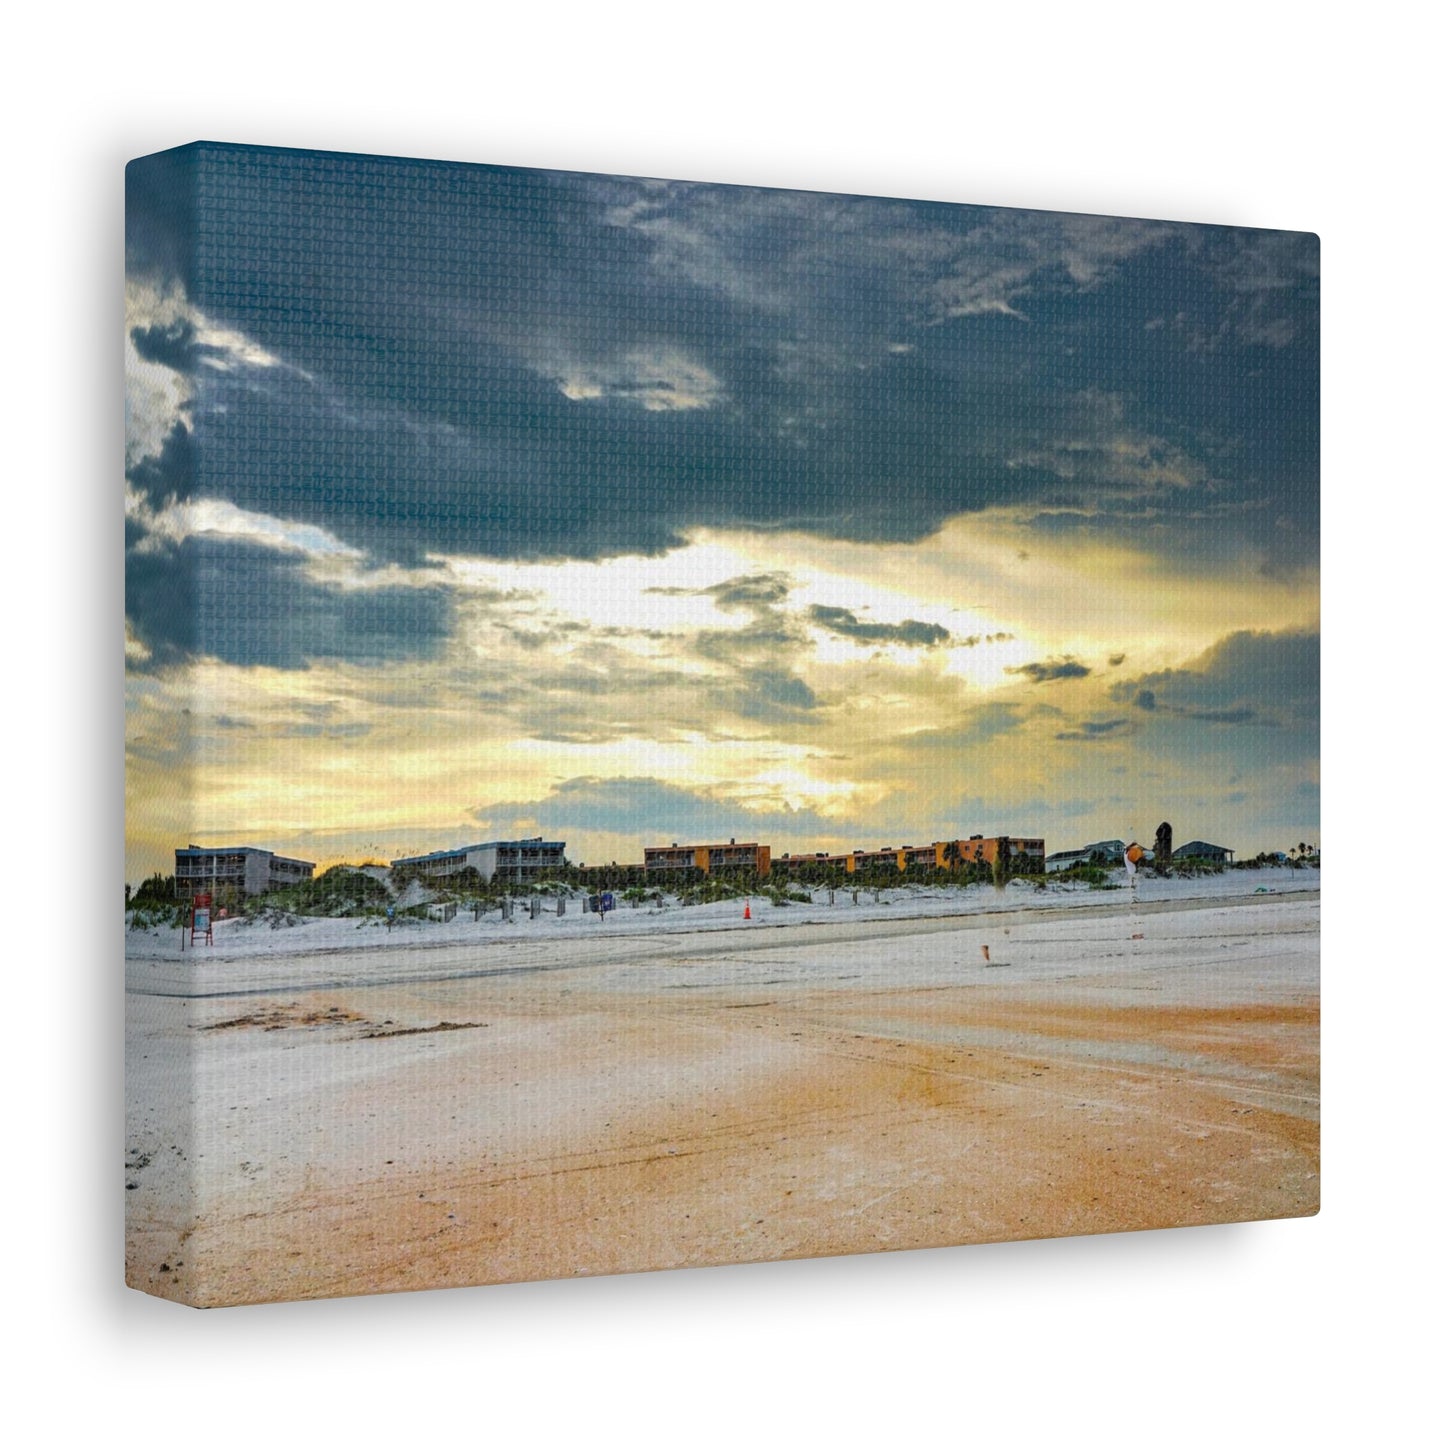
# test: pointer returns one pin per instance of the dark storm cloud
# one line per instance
(160, 599)
(1248, 679)
(760, 590)
(1230, 716)
(173, 345)
(170, 474)
(160, 216)
(178, 345)
(523, 363)
(906, 634)
(1092, 732)
(255, 607)
(766, 694)
(1055, 669)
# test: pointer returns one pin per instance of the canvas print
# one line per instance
(672, 724)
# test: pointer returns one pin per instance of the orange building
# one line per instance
(944, 857)
(709, 858)
(986, 850)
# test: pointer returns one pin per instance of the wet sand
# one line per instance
(759, 1097)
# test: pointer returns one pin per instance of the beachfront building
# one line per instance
(917, 858)
(1209, 852)
(512, 862)
(611, 875)
(707, 858)
(794, 863)
(817, 865)
(978, 849)
(228, 874)
(876, 860)
(861, 860)
(1107, 854)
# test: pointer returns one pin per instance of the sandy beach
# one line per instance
(329, 1109)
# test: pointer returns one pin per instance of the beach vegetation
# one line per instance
(718, 887)
(339, 892)
(155, 915)
(1082, 872)
(1197, 867)
(780, 895)
(159, 888)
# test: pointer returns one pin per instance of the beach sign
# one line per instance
(201, 919)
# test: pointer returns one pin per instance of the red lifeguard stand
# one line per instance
(200, 920)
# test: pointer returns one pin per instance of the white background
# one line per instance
(1247, 114)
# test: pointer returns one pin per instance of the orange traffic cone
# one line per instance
(748, 909)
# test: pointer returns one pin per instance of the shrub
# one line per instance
(340, 892)
(781, 896)
(713, 890)
(156, 890)
(1089, 873)
(156, 916)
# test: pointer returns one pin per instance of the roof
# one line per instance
(1110, 845)
(192, 851)
(477, 848)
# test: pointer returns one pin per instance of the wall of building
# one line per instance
(709, 858)
(258, 873)
(234, 873)
(513, 859)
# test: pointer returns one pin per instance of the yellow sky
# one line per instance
(645, 668)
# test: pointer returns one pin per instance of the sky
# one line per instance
(469, 502)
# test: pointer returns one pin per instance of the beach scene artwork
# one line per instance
(675, 724)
